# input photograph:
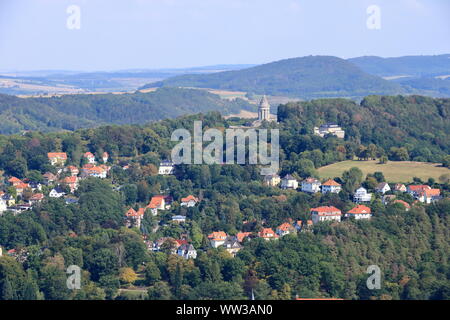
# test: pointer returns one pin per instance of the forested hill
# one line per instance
(306, 77)
(70, 112)
(409, 65)
(420, 124)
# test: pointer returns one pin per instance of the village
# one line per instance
(19, 195)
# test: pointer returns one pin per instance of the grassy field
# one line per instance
(394, 171)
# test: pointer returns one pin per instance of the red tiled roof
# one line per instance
(61, 155)
(360, 209)
(155, 202)
(37, 196)
(189, 198)
(88, 155)
(326, 210)
(133, 213)
(267, 233)
(14, 180)
(285, 227)
(241, 235)
(217, 235)
(417, 188)
(330, 183)
(432, 192)
(70, 180)
(21, 185)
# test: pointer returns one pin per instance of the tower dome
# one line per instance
(264, 109)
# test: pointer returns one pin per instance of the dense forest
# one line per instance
(410, 247)
(71, 112)
(307, 77)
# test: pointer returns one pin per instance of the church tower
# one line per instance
(264, 109)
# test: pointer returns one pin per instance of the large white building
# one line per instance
(326, 213)
(289, 182)
(361, 195)
(329, 128)
(311, 185)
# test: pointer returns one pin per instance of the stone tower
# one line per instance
(264, 109)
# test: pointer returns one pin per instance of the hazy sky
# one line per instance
(122, 34)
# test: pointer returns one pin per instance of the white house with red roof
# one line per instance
(417, 190)
(57, 158)
(400, 187)
(157, 203)
(325, 213)
(285, 229)
(217, 238)
(268, 234)
(331, 186)
(90, 158)
(189, 201)
(311, 185)
(430, 195)
(93, 171)
(134, 218)
(71, 182)
(359, 212)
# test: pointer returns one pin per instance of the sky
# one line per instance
(153, 34)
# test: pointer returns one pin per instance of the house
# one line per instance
(240, 236)
(285, 229)
(400, 187)
(49, 178)
(105, 157)
(35, 186)
(331, 186)
(36, 198)
(359, 212)
(289, 182)
(134, 218)
(8, 199)
(361, 195)
(57, 192)
(329, 128)
(187, 251)
(157, 203)
(179, 219)
(3, 206)
(311, 185)
(416, 190)
(403, 203)
(70, 200)
(96, 172)
(232, 245)
(430, 195)
(57, 158)
(166, 168)
(73, 171)
(268, 234)
(388, 198)
(21, 187)
(272, 180)
(71, 182)
(189, 201)
(90, 158)
(217, 238)
(13, 181)
(382, 187)
(326, 213)
(298, 225)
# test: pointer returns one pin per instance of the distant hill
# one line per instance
(408, 65)
(306, 77)
(71, 112)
